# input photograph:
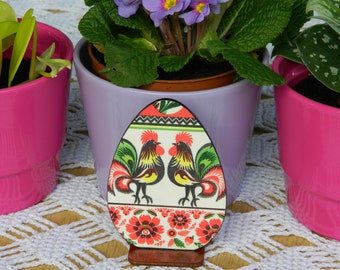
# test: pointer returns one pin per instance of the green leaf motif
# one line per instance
(127, 155)
(206, 159)
(220, 216)
(152, 213)
(199, 245)
(208, 216)
(164, 106)
(131, 241)
(179, 243)
(138, 212)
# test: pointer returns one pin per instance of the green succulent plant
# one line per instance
(15, 35)
(317, 46)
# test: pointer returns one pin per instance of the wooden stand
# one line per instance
(166, 257)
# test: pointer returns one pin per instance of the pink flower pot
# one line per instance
(227, 113)
(309, 149)
(32, 130)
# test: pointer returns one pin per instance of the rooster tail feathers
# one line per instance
(212, 183)
(119, 178)
(126, 154)
(206, 159)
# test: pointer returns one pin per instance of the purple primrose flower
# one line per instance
(126, 8)
(162, 8)
(201, 9)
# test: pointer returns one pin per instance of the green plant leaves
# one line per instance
(8, 29)
(322, 58)
(6, 12)
(55, 65)
(317, 46)
(251, 24)
(174, 63)
(23, 35)
(245, 27)
(18, 35)
(102, 24)
(327, 10)
(127, 64)
(95, 24)
(298, 18)
(246, 66)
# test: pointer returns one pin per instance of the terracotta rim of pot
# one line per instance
(211, 82)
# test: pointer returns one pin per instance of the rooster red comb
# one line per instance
(149, 135)
(184, 137)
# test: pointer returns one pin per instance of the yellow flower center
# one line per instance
(199, 7)
(169, 4)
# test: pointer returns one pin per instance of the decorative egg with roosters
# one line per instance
(166, 187)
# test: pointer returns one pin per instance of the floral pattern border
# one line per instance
(165, 227)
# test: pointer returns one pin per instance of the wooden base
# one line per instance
(166, 257)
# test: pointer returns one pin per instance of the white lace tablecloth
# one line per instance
(71, 228)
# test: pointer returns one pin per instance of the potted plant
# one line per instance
(139, 40)
(33, 100)
(145, 43)
(308, 117)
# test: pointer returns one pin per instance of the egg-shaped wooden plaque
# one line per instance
(166, 188)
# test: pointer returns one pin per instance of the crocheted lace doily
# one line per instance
(71, 228)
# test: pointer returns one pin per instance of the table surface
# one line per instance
(71, 228)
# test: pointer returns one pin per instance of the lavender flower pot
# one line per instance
(227, 113)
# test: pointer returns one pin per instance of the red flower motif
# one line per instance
(196, 213)
(115, 216)
(126, 209)
(172, 233)
(208, 230)
(179, 220)
(145, 229)
(171, 242)
(164, 211)
(189, 240)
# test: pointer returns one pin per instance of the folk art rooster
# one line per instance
(131, 173)
(127, 168)
(203, 171)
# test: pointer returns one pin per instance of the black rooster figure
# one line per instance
(148, 170)
(204, 171)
